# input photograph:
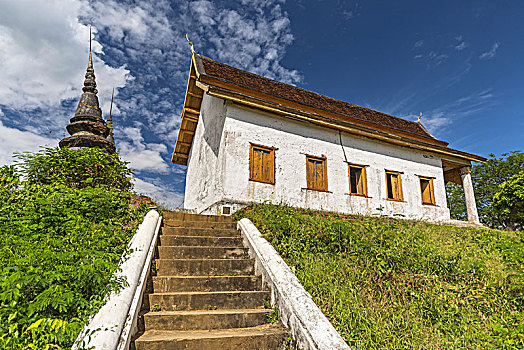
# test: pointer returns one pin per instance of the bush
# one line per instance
(392, 284)
(63, 230)
(89, 167)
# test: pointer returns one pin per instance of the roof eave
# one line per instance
(339, 125)
(190, 113)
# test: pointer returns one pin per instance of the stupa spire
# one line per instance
(109, 122)
(87, 128)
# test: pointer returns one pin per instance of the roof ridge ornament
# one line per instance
(190, 43)
(419, 117)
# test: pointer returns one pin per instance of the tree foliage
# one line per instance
(508, 203)
(64, 224)
(486, 179)
(90, 167)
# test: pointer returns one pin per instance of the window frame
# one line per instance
(364, 179)
(431, 189)
(271, 150)
(399, 177)
(323, 159)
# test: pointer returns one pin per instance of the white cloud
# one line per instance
(435, 59)
(14, 140)
(140, 47)
(435, 121)
(439, 118)
(43, 54)
(461, 46)
(142, 156)
(159, 192)
(432, 59)
(491, 53)
(419, 43)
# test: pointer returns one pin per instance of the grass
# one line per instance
(396, 284)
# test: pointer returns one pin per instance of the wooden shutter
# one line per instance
(393, 186)
(426, 190)
(262, 164)
(357, 180)
(316, 173)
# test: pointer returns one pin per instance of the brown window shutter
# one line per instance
(393, 186)
(357, 180)
(426, 190)
(262, 164)
(316, 173)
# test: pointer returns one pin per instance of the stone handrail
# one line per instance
(114, 324)
(309, 327)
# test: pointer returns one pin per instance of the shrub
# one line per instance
(62, 234)
(89, 167)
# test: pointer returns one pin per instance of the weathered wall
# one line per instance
(295, 139)
(204, 170)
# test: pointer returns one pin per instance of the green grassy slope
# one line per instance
(395, 284)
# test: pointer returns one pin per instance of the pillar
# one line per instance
(469, 194)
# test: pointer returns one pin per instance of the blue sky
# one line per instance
(458, 63)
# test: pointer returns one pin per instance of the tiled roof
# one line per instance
(344, 110)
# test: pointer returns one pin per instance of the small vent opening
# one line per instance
(226, 210)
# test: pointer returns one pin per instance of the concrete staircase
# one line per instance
(205, 294)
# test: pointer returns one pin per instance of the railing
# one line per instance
(309, 327)
(115, 323)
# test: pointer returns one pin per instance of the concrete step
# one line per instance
(200, 252)
(271, 336)
(166, 284)
(204, 267)
(209, 300)
(195, 217)
(201, 241)
(201, 224)
(205, 319)
(210, 232)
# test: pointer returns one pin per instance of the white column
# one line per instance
(467, 185)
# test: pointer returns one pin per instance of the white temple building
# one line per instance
(245, 138)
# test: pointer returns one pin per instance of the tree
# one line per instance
(88, 167)
(65, 222)
(456, 201)
(508, 203)
(486, 179)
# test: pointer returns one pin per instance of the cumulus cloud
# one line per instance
(141, 50)
(150, 37)
(159, 192)
(491, 53)
(14, 140)
(43, 54)
(143, 156)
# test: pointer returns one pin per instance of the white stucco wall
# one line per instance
(204, 171)
(230, 180)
